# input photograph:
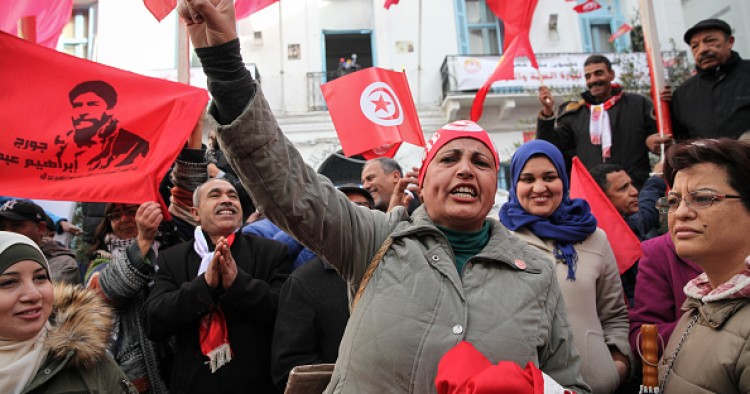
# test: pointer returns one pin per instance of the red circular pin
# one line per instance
(520, 264)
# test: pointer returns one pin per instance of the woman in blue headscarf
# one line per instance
(541, 212)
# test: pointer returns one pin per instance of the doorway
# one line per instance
(346, 52)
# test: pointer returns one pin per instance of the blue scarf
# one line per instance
(571, 222)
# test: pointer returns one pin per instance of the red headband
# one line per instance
(450, 132)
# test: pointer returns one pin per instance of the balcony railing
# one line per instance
(315, 101)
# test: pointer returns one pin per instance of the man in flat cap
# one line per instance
(716, 101)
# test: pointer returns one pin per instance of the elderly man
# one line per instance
(27, 218)
(218, 295)
(607, 125)
(379, 178)
(716, 101)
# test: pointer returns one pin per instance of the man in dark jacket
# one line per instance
(313, 311)
(606, 126)
(637, 208)
(218, 296)
(716, 101)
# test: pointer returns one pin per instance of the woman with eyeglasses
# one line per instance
(709, 222)
(121, 270)
(540, 211)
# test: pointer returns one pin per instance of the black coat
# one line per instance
(179, 300)
(714, 103)
(313, 311)
(631, 120)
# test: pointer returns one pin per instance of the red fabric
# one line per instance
(624, 243)
(42, 155)
(245, 8)
(587, 6)
(51, 17)
(373, 112)
(450, 132)
(213, 332)
(464, 370)
(516, 16)
(160, 8)
(389, 3)
(620, 31)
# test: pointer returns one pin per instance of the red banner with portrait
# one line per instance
(75, 130)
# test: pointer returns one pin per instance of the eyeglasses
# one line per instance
(117, 215)
(699, 199)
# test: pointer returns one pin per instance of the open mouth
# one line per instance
(226, 211)
(31, 313)
(464, 192)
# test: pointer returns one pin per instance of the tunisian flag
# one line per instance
(516, 15)
(71, 129)
(587, 6)
(625, 244)
(373, 112)
(51, 16)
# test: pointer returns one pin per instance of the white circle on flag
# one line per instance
(380, 105)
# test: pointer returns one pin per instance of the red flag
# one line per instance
(587, 6)
(620, 31)
(245, 8)
(625, 244)
(51, 17)
(517, 18)
(87, 132)
(389, 3)
(160, 8)
(373, 112)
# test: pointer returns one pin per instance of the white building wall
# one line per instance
(734, 12)
(130, 38)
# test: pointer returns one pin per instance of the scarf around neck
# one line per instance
(570, 223)
(19, 361)
(600, 128)
(738, 286)
(213, 334)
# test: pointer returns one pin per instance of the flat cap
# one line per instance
(707, 24)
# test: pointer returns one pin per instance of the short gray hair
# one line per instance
(197, 191)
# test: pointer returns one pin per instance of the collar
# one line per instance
(722, 69)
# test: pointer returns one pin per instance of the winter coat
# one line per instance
(179, 299)
(313, 310)
(62, 262)
(595, 305)
(715, 357)
(713, 103)
(662, 275)
(124, 284)
(416, 306)
(631, 120)
(77, 359)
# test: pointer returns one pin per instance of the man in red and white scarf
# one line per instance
(218, 295)
(606, 126)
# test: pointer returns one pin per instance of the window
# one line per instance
(597, 26)
(78, 34)
(479, 30)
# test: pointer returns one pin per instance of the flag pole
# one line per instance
(183, 53)
(281, 59)
(656, 69)
(419, 57)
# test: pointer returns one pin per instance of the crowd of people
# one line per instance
(403, 284)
